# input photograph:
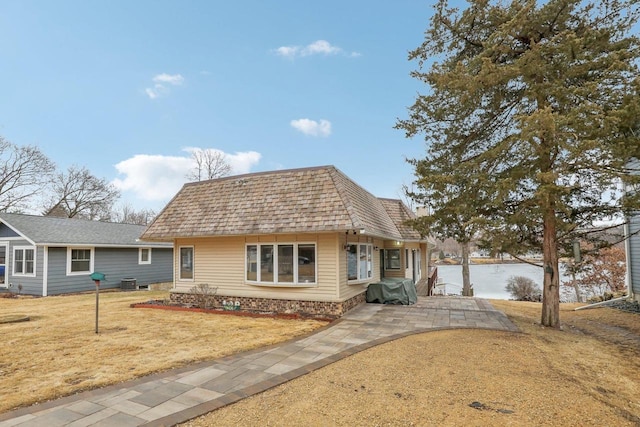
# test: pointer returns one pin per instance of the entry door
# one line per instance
(381, 264)
(4, 249)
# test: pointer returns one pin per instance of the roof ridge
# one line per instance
(346, 201)
(261, 173)
(61, 218)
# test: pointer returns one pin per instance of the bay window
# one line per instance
(281, 264)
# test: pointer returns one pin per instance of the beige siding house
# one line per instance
(304, 241)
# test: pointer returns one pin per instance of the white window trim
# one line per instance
(275, 283)
(193, 264)
(140, 261)
(13, 263)
(91, 261)
(369, 252)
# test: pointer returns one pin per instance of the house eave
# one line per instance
(141, 244)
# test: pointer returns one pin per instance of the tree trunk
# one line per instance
(466, 283)
(575, 284)
(551, 288)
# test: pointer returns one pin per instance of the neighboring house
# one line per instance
(296, 241)
(50, 256)
(632, 244)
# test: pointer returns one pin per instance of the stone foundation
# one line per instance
(164, 286)
(318, 309)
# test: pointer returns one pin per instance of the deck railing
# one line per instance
(433, 278)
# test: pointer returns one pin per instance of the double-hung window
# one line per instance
(24, 263)
(281, 263)
(79, 261)
(144, 256)
(392, 259)
(359, 261)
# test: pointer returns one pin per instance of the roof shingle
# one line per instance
(43, 230)
(308, 200)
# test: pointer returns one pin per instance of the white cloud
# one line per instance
(175, 79)
(287, 51)
(312, 127)
(156, 178)
(319, 47)
(161, 82)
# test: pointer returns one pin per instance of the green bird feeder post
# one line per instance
(97, 277)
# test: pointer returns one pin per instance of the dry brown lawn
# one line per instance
(57, 351)
(587, 374)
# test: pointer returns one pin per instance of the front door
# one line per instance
(4, 248)
(381, 264)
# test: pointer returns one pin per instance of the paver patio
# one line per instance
(178, 395)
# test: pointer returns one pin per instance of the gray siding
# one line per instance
(118, 264)
(634, 255)
(7, 232)
(633, 245)
(115, 263)
(30, 285)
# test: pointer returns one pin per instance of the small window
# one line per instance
(306, 263)
(79, 261)
(266, 263)
(392, 259)
(285, 264)
(359, 261)
(252, 263)
(144, 256)
(24, 261)
(186, 263)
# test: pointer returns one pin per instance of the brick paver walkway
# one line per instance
(181, 394)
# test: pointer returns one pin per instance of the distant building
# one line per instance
(50, 256)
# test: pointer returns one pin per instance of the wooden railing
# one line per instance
(433, 278)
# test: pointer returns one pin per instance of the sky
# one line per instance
(128, 88)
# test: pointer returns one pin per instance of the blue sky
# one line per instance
(125, 88)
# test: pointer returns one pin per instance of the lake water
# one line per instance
(489, 280)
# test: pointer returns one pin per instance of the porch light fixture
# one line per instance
(375, 248)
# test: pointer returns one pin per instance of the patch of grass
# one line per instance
(586, 374)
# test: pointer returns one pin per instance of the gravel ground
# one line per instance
(631, 307)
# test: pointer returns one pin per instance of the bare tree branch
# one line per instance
(77, 193)
(209, 164)
(24, 171)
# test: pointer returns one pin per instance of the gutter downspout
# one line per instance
(627, 247)
(601, 303)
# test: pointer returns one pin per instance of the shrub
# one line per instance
(204, 295)
(523, 289)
